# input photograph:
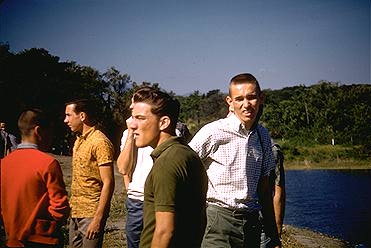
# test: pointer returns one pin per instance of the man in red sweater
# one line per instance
(33, 197)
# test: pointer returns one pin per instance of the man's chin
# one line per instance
(248, 121)
(140, 144)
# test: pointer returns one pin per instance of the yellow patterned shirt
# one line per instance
(90, 151)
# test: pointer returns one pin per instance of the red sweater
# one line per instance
(33, 197)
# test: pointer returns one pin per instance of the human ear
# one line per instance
(38, 133)
(164, 122)
(229, 101)
(82, 116)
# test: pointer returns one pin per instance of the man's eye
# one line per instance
(252, 97)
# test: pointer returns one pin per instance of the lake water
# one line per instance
(334, 202)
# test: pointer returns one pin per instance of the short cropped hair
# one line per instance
(87, 106)
(31, 118)
(162, 104)
(244, 78)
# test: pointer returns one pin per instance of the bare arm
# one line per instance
(127, 158)
(270, 226)
(164, 229)
(106, 173)
(279, 202)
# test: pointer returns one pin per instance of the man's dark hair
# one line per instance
(244, 78)
(31, 118)
(162, 104)
(88, 106)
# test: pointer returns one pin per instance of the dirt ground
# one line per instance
(293, 237)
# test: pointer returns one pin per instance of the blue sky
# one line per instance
(200, 44)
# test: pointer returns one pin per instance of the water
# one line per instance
(334, 202)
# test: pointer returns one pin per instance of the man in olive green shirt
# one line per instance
(175, 190)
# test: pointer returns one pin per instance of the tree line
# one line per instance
(316, 114)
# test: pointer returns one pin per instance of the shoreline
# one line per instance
(298, 237)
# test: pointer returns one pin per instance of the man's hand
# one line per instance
(93, 229)
(128, 122)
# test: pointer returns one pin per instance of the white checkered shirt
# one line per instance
(233, 157)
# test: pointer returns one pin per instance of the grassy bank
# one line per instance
(325, 157)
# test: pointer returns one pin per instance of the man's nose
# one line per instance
(246, 102)
(133, 123)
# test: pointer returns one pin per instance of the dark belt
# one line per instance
(238, 213)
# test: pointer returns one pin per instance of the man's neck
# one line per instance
(162, 138)
(85, 128)
(29, 140)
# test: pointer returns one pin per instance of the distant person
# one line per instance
(13, 141)
(135, 164)
(9, 141)
(92, 176)
(277, 182)
(175, 189)
(4, 141)
(34, 202)
(238, 168)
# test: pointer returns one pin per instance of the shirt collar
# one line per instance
(163, 146)
(236, 124)
(27, 145)
(86, 134)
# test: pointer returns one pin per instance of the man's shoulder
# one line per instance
(33, 155)
(262, 130)
(214, 127)
(43, 155)
(264, 135)
(176, 159)
(178, 151)
(98, 135)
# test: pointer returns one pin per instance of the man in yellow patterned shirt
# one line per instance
(92, 176)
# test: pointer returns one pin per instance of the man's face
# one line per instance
(145, 125)
(244, 101)
(73, 120)
(2, 125)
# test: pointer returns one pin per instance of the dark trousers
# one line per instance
(134, 222)
(227, 228)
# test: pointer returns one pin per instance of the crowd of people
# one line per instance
(223, 187)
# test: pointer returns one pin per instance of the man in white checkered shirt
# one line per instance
(237, 154)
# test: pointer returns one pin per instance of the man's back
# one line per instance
(35, 200)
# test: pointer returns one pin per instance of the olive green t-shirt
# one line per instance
(177, 183)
